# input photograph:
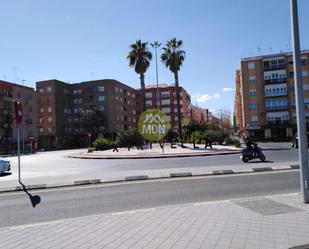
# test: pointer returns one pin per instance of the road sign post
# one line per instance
(300, 109)
(18, 118)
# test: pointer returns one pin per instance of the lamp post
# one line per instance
(299, 99)
(156, 45)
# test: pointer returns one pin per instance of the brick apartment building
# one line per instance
(265, 95)
(168, 102)
(8, 130)
(60, 106)
(198, 114)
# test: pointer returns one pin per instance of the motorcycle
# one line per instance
(256, 152)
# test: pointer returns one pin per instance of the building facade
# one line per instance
(8, 132)
(167, 102)
(265, 95)
(61, 106)
(198, 114)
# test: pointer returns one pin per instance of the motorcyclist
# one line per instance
(251, 146)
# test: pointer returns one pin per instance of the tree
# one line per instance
(92, 120)
(6, 125)
(226, 119)
(173, 58)
(129, 138)
(139, 58)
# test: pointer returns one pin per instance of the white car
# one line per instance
(4, 166)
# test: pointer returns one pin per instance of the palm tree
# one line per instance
(173, 58)
(139, 58)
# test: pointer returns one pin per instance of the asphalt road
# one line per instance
(16, 208)
(56, 160)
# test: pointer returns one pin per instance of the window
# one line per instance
(101, 89)
(180, 102)
(252, 79)
(306, 87)
(101, 108)
(253, 106)
(49, 109)
(254, 118)
(49, 119)
(252, 92)
(305, 73)
(18, 95)
(49, 129)
(251, 65)
(166, 110)
(101, 98)
(148, 95)
(75, 110)
(41, 130)
(48, 89)
(41, 90)
(165, 94)
(165, 101)
(42, 110)
(148, 102)
(291, 75)
(116, 89)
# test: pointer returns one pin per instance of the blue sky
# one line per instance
(79, 40)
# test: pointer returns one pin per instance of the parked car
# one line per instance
(294, 141)
(4, 166)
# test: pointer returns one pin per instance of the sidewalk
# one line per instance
(156, 152)
(279, 222)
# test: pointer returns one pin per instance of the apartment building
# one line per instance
(265, 95)
(8, 132)
(198, 114)
(166, 98)
(61, 105)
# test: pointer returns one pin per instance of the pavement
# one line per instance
(268, 222)
(157, 152)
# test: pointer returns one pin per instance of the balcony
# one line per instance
(276, 94)
(275, 81)
(276, 108)
(274, 67)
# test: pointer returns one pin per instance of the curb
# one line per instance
(80, 156)
(147, 177)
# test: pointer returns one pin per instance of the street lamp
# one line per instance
(156, 45)
(299, 99)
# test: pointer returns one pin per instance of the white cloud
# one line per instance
(203, 98)
(228, 89)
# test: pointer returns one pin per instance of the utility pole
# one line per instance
(156, 45)
(299, 99)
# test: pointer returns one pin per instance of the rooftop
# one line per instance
(271, 55)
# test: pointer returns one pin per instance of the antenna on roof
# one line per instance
(23, 82)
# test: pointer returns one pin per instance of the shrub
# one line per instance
(102, 144)
(129, 138)
(91, 149)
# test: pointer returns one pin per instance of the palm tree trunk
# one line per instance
(142, 78)
(143, 99)
(178, 107)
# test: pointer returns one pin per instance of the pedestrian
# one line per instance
(115, 147)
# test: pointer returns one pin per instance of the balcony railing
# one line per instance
(275, 108)
(275, 81)
(274, 67)
(276, 94)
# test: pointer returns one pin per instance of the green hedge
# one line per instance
(102, 144)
